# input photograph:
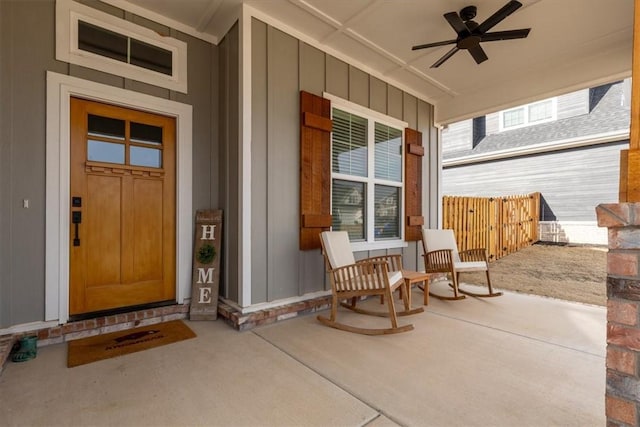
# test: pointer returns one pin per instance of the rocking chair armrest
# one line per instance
(477, 254)
(394, 262)
(439, 261)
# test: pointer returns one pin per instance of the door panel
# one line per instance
(123, 169)
(101, 235)
(147, 230)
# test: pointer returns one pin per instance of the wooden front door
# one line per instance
(123, 213)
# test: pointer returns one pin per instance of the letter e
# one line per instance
(205, 296)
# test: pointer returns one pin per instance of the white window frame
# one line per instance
(370, 180)
(68, 13)
(527, 122)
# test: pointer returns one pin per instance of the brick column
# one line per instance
(622, 399)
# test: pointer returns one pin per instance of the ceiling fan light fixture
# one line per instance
(470, 34)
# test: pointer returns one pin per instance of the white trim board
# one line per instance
(544, 147)
(60, 89)
(245, 137)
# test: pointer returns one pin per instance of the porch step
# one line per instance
(247, 321)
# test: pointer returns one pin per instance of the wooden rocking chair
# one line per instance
(441, 256)
(351, 280)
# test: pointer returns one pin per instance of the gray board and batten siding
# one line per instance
(27, 52)
(572, 182)
(228, 178)
(282, 66)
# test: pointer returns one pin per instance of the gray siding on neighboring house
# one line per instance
(27, 51)
(459, 137)
(573, 104)
(493, 125)
(572, 182)
(569, 105)
(607, 115)
(281, 67)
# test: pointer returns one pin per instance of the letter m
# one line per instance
(205, 276)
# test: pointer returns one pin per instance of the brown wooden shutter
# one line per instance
(413, 185)
(315, 169)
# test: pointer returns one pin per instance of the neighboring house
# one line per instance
(567, 148)
(109, 146)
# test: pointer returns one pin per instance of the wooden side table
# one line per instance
(412, 277)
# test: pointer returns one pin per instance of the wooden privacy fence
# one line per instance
(503, 225)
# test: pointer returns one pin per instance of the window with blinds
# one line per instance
(367, 177)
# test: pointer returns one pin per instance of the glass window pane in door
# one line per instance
(108, 152)
(106, 127)
(148, 134)
(142, 156)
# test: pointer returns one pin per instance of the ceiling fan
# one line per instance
(470, 33)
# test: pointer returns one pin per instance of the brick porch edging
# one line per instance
(118, 322)
(243, 322)
(90, 327)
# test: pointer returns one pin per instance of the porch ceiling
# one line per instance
(573, 44)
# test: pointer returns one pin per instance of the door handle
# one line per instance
(76, 218)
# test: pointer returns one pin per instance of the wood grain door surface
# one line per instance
(123, 179)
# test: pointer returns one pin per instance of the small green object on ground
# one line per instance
(27, 349)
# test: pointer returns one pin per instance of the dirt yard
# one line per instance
(575, 273)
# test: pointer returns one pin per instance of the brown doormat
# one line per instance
(100, 347)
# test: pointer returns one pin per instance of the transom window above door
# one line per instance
(94, 39)
(111, 140)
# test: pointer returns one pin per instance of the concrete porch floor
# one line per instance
(514, 360)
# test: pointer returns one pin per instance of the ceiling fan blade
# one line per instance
(497, 17)
(442, 43)
(446, 56)
(456, 23)
(505, 35)
(478, 54)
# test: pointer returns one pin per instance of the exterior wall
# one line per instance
(27, 51)
(459, 137)
(572, 182)
(493, 123)
(569, 105)
(229, 159)
(281, 67)
(573, 104)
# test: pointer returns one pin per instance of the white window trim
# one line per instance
(373, 116)
(525, 107)
(60, 89)
(69, 12)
